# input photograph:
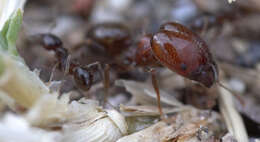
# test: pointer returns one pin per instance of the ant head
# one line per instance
(206, 74)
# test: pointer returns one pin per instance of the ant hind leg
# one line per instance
(106, 82)
(105, 75)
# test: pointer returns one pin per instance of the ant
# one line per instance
(84, 76)
(178, 48)
(182, 51)
(174, 46)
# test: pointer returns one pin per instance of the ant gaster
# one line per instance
(109, 38)
(185, 53)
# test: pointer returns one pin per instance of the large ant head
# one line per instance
(206, 74)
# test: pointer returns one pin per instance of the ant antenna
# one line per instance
(205, 27)
(226, 88)
(242, 102)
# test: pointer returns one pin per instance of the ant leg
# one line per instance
(156, 88)
(67, 66)
(106, 82)
(205, 27)
(66, 71)
(52, 72)
(104, 74)
(96, 66)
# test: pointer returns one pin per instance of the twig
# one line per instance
(232, 118)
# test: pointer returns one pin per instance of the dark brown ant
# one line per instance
(84, 76)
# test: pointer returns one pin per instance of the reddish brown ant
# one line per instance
(182, 51)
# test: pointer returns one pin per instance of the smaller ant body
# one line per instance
(84, 76)
(174, 46)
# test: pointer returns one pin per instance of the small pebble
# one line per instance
(237, 85)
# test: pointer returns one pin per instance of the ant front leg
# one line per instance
(157, 91)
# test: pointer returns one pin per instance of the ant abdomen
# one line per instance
(83, 78)
(111, 38)
(185, 53)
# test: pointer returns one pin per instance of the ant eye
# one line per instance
(183, 66)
